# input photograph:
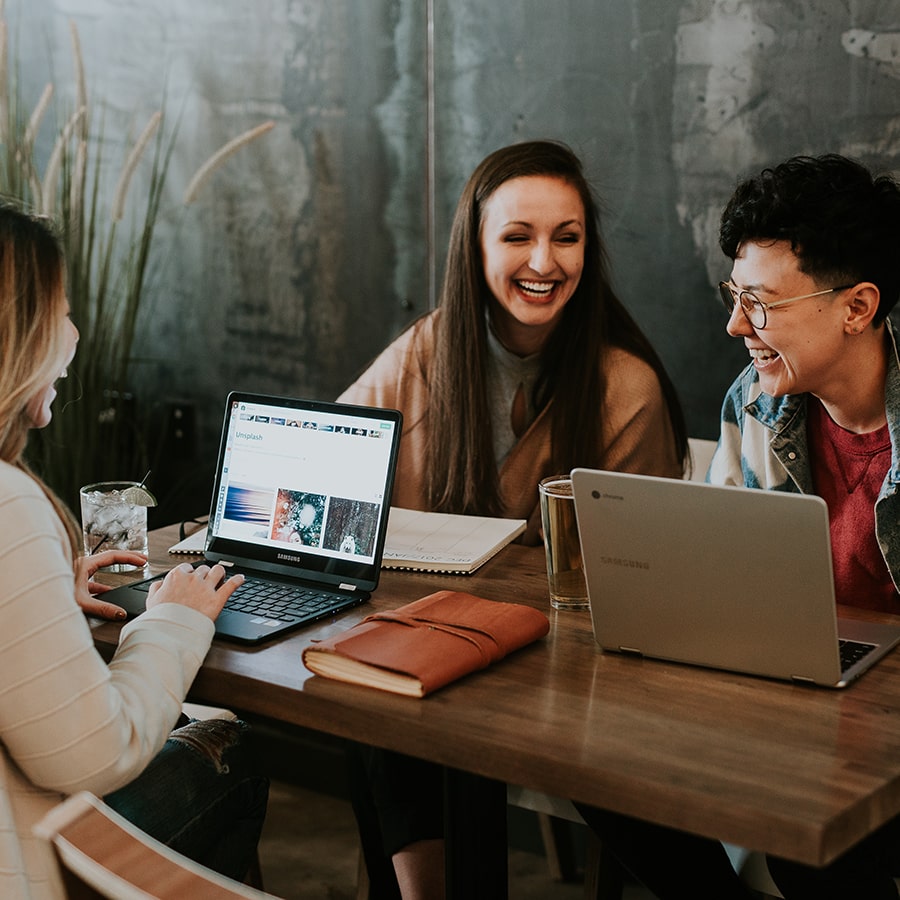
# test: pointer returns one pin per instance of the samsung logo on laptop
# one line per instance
(624, 562)
(287, 557)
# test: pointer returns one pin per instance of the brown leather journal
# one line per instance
(426, 644)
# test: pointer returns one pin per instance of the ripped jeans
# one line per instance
(201, 796)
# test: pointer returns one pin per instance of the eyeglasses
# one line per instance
(754, 309)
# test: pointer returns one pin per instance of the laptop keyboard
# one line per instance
(283, 602)
(852, 652)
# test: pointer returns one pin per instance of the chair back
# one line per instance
(701, 452)
(100, 854)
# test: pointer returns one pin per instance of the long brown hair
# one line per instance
(462, 474)
(32, 296)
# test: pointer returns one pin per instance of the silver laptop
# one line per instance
(300, 506)
(726, 577)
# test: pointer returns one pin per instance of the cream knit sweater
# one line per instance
(67, 720)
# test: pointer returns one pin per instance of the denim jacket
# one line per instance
(763, 445)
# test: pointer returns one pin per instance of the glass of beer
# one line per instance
(565, 571)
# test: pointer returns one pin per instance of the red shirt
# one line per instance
(848, 470)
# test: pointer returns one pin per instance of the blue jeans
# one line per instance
(201, 796)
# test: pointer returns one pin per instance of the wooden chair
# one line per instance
(100, 854)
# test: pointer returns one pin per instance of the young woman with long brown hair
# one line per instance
(530, 366)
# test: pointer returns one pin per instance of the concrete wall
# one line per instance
(312, 248)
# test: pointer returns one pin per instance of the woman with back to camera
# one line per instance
(529, 367)
(69, 722)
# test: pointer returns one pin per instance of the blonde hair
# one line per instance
(32, 352)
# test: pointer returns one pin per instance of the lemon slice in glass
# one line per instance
(138, 496)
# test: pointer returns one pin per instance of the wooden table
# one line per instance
(797, 771)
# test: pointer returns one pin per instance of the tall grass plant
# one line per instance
(99, 429)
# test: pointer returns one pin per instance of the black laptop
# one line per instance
(300, 506)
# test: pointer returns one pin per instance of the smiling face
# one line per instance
(39, 407)
(532, 250)
(799, 349)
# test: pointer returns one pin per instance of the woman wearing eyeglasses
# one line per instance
(814, 247)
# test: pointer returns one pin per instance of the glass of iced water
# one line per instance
(114, 517)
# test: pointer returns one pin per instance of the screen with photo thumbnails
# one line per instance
(303, 480)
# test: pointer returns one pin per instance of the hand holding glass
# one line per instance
(111, 520)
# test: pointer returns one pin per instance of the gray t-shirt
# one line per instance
(506, 374)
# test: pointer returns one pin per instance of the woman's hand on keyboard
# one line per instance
(202, 588)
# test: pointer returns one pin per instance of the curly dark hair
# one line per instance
(841, 220)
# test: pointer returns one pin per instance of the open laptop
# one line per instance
(727, 577)
(301, 500)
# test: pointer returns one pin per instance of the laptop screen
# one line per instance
(304, 487)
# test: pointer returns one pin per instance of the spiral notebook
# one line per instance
(193, 545)
(443, 542)
(423, 541)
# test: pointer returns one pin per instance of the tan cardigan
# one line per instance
(637, 432)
